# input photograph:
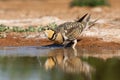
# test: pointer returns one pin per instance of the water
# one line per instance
(57, 63)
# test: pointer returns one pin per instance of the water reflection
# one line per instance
(68, 61)
(76, 61)
(61, 64)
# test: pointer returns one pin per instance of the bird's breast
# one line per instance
(59, 38)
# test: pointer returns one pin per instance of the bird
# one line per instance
(68, 32)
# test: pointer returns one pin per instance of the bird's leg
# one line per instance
(66, 43)
(74, 43)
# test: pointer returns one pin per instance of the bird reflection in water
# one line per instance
(67, 59)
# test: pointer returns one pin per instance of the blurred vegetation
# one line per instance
(91, 3)
(21, 29)
(53, 25)
(3, 28)
(31, 28)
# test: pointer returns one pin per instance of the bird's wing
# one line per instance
(71, 29)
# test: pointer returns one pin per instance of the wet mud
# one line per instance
(86, 42)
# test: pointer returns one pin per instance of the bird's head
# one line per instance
(53, 35)
(49, 32)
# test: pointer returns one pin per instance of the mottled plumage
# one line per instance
(70, 31)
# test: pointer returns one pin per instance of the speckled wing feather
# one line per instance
(71, 29)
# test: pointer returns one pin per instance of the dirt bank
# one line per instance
(87, 42)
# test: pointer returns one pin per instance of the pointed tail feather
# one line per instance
(88, 18)
(93, 23)
(81, 19)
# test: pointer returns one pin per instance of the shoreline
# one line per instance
(86, 42)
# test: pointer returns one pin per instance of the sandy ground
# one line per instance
(17, 9)
(46, 11)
